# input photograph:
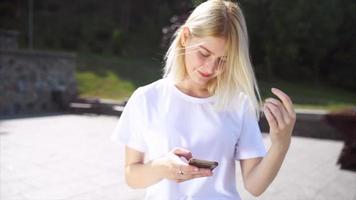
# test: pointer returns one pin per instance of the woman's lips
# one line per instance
(204, 74)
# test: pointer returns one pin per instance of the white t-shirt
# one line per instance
(159, 117)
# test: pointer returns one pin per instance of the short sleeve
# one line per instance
(250, 142)
(128, 129)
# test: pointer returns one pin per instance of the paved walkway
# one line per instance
(71, 157)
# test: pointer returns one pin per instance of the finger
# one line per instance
(286, 100)
(270, 118)
(204, 173)
(281, 108)
(190, 169)
(201, 175)
(182, 152)
(180, 175)
(184, 176)
(192, 176)
(179, 180)
(277, 114)
(177, 160)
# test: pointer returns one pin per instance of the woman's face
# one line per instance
(204, 59)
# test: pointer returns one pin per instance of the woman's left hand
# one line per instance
(281, 118)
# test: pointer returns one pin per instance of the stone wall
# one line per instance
(8, 39)
(35, 81)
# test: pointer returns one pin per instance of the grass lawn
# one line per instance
(111, 77)
(307, 95)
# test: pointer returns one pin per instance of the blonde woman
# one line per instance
(206, 106)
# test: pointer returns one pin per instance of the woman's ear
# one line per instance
(184, 36)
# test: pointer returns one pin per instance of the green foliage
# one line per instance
(118, 41)
(306, 41)
(299, 40)
(197, 2)
(7, 12)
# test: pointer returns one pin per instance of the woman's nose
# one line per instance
(211, 65)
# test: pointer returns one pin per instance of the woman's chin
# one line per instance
(202, 82)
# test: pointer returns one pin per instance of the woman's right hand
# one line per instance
(173, 168)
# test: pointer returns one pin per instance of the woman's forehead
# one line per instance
(215, 45)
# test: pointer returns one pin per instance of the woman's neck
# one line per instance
(188, 87)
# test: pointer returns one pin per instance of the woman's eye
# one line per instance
(204, 55)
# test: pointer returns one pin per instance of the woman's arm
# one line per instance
(141, 175)
(259, 173)
(137, 174)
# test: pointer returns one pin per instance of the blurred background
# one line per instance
(68, 67)
(306, 48)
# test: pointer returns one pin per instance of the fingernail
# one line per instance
(273, 89)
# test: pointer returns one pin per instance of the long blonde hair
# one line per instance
(225, 19)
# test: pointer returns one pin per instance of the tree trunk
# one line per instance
(125, 15)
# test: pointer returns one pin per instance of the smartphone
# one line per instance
(203, 163)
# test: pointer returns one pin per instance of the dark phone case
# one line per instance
(203, 163)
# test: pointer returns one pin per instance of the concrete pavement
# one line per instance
(71, 157)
